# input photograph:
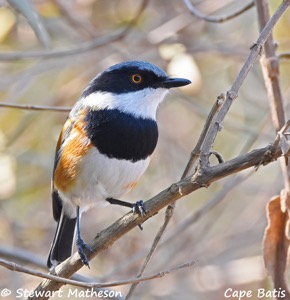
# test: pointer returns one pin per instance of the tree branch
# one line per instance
(197, 149)
(17, 268)
(35, 107)
(284, 55)
(168, 214)
(217, 19)
(83, 47)
(270, 67)
(176, 191)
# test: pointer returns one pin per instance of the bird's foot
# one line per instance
(139, 208)
(81, 246)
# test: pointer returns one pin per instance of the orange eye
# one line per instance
(136, 78)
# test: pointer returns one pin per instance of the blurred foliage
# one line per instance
(226, 241)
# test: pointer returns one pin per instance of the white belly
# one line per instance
(100, 177)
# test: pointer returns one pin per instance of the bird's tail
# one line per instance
(62, 244)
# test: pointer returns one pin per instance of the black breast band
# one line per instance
(121, 135)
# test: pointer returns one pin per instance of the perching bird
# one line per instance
(104, 147)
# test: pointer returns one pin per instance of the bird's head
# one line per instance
(134, 87)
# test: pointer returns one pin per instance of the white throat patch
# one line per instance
(142, 103)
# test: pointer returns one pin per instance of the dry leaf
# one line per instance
(276, 245)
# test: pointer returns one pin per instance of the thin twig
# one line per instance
(197, 149)
(17, 268)
(217, 19)
(80, 48)
(168, 214)
(27, 257)
(35, 107)
(285, 55)
(27, 9)
(83, 47)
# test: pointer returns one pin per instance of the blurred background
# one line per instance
(48, 59)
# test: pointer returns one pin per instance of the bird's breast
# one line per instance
(121, 135)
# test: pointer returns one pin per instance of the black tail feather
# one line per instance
(62, 244)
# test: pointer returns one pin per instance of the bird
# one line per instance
(104, 148)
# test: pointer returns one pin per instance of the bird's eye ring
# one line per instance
(136, 78)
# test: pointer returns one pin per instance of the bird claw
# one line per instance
(81, 245)
(139, 208)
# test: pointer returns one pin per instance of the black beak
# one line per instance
(168, 82)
